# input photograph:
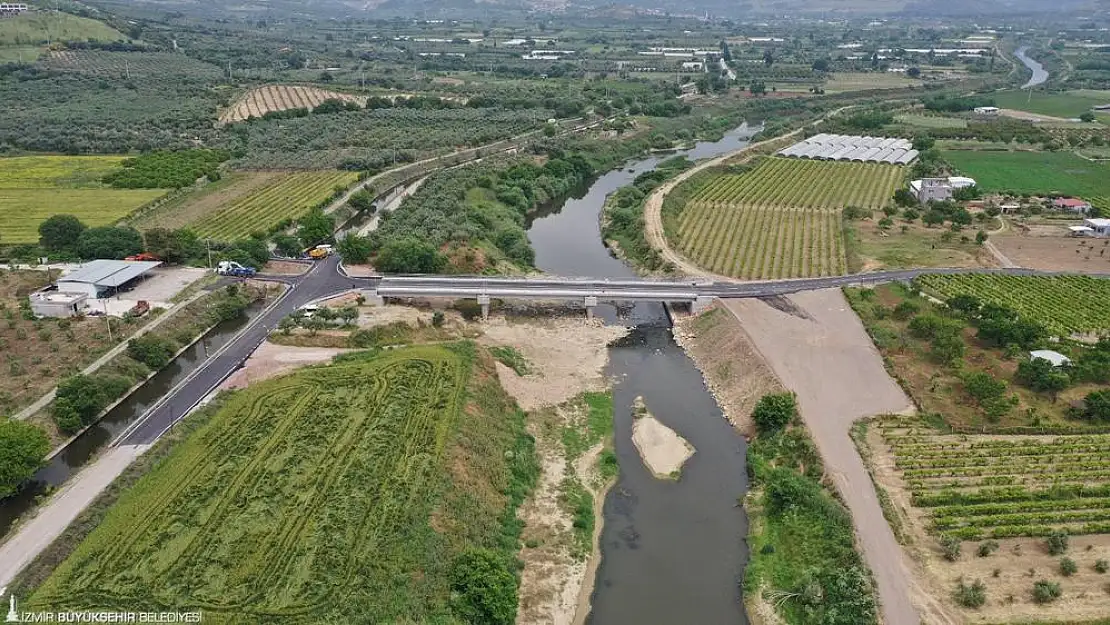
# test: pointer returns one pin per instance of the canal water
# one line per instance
(672, 552)
(84, 449)
(1040, 74)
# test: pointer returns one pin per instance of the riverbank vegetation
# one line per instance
(459, 536)
(803, 557)
(622, 225)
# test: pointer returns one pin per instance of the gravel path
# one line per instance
(819, 349)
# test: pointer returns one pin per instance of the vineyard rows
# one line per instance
(285, 197)
(1063, 304)
(293, 504)
(130, 64)
(782, 219)
(259, 101)
(976, 488)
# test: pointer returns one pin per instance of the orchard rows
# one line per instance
(287, 197)
(782, 219)
(1063, 304)
(975, 488)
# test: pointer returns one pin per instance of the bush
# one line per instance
(1045, 591)
(972, 595)
(1101, 566)
(483, 588)
(24, 447)
(409, 256)
(438, 319)
(950, 548)
(986, 548)
(151, 350)
(1056, 543)
(1068, 567)
(906, 309)
(774, 412)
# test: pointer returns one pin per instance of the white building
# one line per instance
(987, 111)
(693, 66)
(938, 189)
(57, 303)
(100, 278)
(1056, 358)
(8, 9)
(1100, 227)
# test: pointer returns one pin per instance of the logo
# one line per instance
(13, 615)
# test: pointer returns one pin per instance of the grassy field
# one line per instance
(36, 27)
(1032, 172)
(288, 196)
(341, 493)
(864, 81)
(932, 121)
(33, 188)
(1069, 104)
(1064, 304)
(19, 54)
(869, 247)
(781, 219)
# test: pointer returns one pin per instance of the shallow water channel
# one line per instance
(1040, 74)
(85, 448)
(672, 552)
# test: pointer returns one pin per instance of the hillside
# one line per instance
(38, 27)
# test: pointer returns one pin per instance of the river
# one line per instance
(672, 552)
(1040, 74)
(91, 441)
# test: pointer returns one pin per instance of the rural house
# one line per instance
(1099, 227)
(1071, 205)
(938, 189)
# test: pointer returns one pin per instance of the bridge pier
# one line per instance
(483, 300)
(701, 304)
(591, 303)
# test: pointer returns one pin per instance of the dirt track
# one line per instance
(819, 349)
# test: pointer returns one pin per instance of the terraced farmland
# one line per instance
(782, 219)
(1063, 304)
(1001, 487)
(288, 196)
(259, 101)
(306, 499)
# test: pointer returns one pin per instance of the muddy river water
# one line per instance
(672, 552)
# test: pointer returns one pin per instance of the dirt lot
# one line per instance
(271, 360)
(163, 283)
(1051, 249)
(286, 268)
(1009, 573)
(818, 348)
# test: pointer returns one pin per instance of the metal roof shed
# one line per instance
(98, 276)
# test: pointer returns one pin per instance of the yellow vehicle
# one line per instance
(320, 251)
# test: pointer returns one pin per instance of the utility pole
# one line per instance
(208, 244)
(107, 320)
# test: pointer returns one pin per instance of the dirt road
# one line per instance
(819, 349)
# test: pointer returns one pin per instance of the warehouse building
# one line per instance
(828, 147)
(103, 278)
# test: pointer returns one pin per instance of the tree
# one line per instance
(315, 227)
(821, 65)
(1096, 406)
(1087, 117)
(768, 58)
(172, 246)
(258, 250)
(60, 233)
(933, 218)
(726, 53)
(22, 449)
(981, 237)
(361, 201)
(410, 256)
(1042, 376)
(758, 87)
(972, 595)
(923, 142)
(1045, 591)
(483, 588)
(774, 412)
(151, 350)
(287, 245)
(914, 72)
(354, 249)
(983, 386)
(903, 197)
(967, 305)
(948, 348)
(1057, 543)
(109, 242)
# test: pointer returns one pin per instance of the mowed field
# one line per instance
(33, 188)
(261, 100)
(37, 27)
(782, 219)
(865, 81)
(281, 197)
(336, 494)
(1063, 304)
(1033, 172)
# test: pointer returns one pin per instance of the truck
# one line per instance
(141, 308)
(320, 251)
(143, 256)
(232, 268)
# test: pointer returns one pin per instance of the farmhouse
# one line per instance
(58, 304)
(1071, 205)
(693, 66)
(8, 9)
(1099, 227)
(938, 189)
(104, 277)
(989, 111)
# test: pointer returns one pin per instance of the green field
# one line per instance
(1063, 304)
(1068, 104)
(35, 27)
(1032, 172)
(866, 81)
(285, 197)
(781, 219)
(33, 188)
(338, 494)
(19, 54)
